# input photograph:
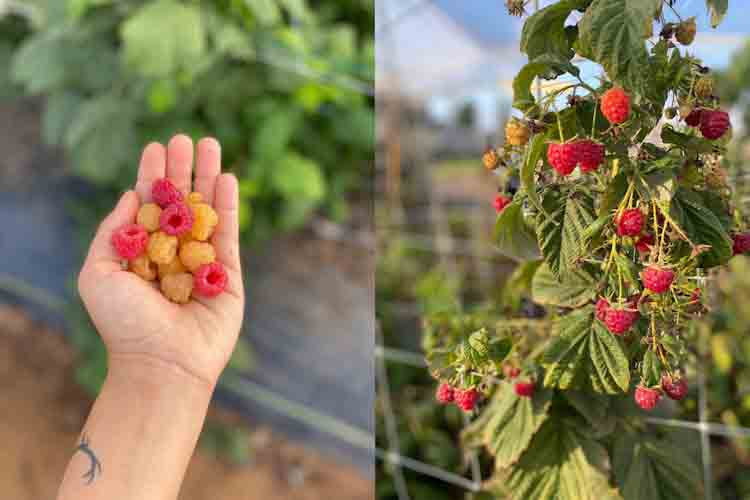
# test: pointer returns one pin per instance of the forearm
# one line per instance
(142, 430)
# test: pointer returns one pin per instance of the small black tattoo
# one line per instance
(96, 466)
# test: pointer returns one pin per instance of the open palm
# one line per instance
(137, 323)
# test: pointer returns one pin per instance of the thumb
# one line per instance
(124, 213)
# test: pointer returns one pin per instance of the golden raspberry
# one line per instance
(196, 253)
(704, 87)
(143, 267)
(490, 159)
(177, 287)
(205, 220)
(148, 217)
(185, 238)
(174, 267)
(516, 132)
(194, 197)
(162, 247)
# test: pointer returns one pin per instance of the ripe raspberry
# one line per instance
(516, 132)
(175, 266)
(176, 219)
(205, 220)
(196, 253)
(194, 198)
(143, 267)
(693, 119)
(602, 306)
(210, 279)
(695, 296)
(657, 279)
(630, 222)
(466, 399)
(165, 193)
(590, 155)
(525, 389)
(741, 243)
(130, 241)
(511, 371)
(644, 243)
(675, 389)
(619, 321)
(686, 31)
(562, 157)
(647, 398)
(445, 393)
(490, 159)
(148, 217)
(177, 287)
(501, 202)
(714, 123)
(162, 248)
(615, 105)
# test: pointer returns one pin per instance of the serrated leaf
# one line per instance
(658, 186)
(544, 32)
(528, 170)
(560, 234)
(648, 468)
(508, 423)
(548, 66)
(513, 237)
(62, 108)
(690, 143)
(614, 32)
(717, 9)
(585, 351)
(266, 11)
(651, 368)
(39, 63)
(595, 408)
(577, 288)
(614, 194)
(561, 463)
(701, 226)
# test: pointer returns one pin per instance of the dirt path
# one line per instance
(42, 411)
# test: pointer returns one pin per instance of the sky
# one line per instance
(448, 52)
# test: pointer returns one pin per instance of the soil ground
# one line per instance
(42, 410)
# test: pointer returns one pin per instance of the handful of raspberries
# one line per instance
(169, 243)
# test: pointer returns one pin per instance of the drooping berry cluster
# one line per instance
(466, 399)
(565, 157)
(169, 243)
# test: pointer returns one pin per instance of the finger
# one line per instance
(101, 250)
(207, 168)
(153, 166)
(227, 234)
(180, 162)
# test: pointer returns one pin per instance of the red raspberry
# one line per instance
(694, 118)
(619, 321)
(630, 222)
(695, 296)
(210, 279)
(644, 243)
(647, 398)
(130, 241)
(511, 371)
(445, 393)
(657, 279)
(714, 123)
(590, 155)
(501, 202)
(615, 105)
(602, 306)
(563, 157)
(524, 389)
(176, 219)
(165, 193)
(741, 243)
(466, 399)
(675, 389)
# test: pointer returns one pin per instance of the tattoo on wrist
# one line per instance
(95, 467)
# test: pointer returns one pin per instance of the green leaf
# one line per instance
(164, 37)
(701, 226)
(508, 423)
(266, 11)
(513, 237)
(518, 285)
(614, 194)
(561, 463)
(690, 143)
(548, 66)
(298, 178)
(577, 288)
(614, 31)
(61, 111)
(595, 408)
(39, 64)
(717, 9)
(544, 32)
(651, 368)
(528, 170)
(648, 468)
(560, 235)
(585, 350)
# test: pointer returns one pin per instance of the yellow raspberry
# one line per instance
(516, 132)
(490, 159)
(205, 220)
(143, 267)
(194, 197)
(175, 266)
(148, 217)
(704, 87)
(162, 247)
(177, 287)
(185, 238)
(196, 253)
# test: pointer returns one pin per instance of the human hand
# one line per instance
(136, 322)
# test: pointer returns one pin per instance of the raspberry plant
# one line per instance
(619, 214)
